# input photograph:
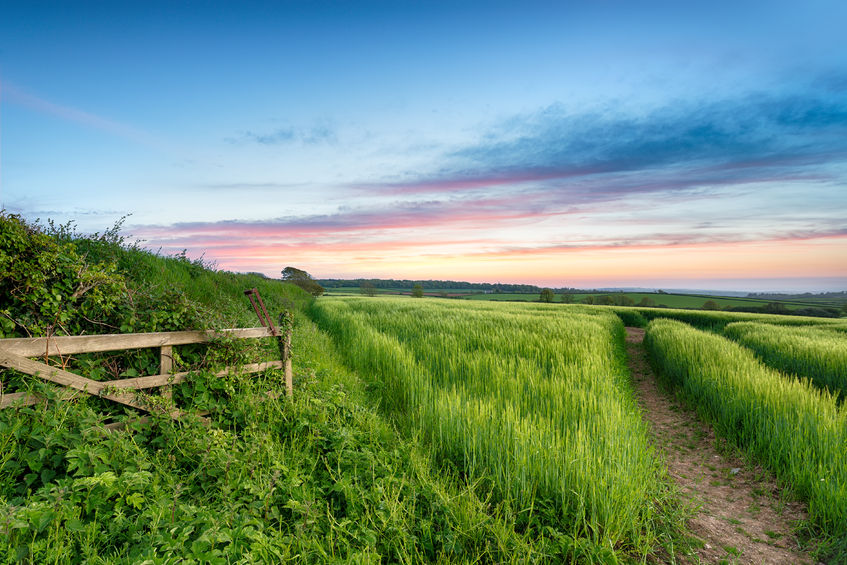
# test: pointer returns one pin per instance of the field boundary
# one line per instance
(16, 353)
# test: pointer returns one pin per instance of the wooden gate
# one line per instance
(17, 353)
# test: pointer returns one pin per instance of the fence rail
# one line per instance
(68, 345)
(16, 353)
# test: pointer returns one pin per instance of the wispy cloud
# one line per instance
(15, 95)
(250, 186)
(690, 143)
(314, 135)
(437, 229)
(326, 246)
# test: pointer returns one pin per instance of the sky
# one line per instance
(565, 144)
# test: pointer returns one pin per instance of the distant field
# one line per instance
(348, 290)
(655, 300)
(697, 300)
(669, 300)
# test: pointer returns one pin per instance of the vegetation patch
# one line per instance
(532, 405)
(322, 478)
(791, 427)
(814, 353)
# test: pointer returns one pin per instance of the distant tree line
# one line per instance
(840, 295)
(433, 285)
(779, 308)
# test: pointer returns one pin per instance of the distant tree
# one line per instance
(775, 308)
(443, 294)
(302, 279)
(604, 300)
(711, 305)
(623, 300)
(367, 288)
(567, 298)
(417, 290)
(817, 312)
(588, 299)
(547, 295)
(647, 302)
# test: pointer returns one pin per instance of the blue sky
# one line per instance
(571, 144)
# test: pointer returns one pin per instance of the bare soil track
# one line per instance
(740, 515)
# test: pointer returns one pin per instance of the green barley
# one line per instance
(532, 401)
(793, 428)
(818, 354)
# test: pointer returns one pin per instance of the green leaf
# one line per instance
(44, 520)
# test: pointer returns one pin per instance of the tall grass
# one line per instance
(532, 402)
(818, 354)
(793, 428)
(712, 320)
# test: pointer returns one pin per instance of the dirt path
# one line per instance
(741, 518)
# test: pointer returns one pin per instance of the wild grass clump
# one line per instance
(531, 403)
(791, 427)
(817, 354)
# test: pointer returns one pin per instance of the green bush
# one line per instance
(47, 287)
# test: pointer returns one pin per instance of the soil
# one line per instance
(739, 513)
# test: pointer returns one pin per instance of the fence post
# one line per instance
(286, 322)
(166, 365)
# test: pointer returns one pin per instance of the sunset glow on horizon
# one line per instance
(574, 145)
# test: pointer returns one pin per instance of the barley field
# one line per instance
(531, 402)
(793, 428)
(818, 354)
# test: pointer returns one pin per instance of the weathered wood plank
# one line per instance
(20, 399)
(28, 399)
(46, 372)
(69, 345)
(175, 378)
(66, 378)
(137, 383)
(289, 372)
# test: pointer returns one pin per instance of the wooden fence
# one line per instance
(17, 353)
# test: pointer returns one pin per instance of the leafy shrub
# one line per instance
(46, 287)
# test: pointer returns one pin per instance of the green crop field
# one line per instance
(531, 401)
(791, 427)
(815, 353)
